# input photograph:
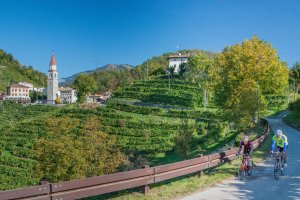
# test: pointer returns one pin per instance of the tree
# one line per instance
(69, 153)
(185, 138)
(182, 69)
(84, 84)
(244, 74)
(57, 100)
(198, 65)
(198, 70)
(295, 76)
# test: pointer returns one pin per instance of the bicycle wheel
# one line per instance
(241, 172)
(276, 170)
(281, 167)
(250, 168)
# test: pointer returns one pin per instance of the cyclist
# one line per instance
(281, 144)
(248, 147)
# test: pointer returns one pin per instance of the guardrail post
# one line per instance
(44, 182)
(145, 188)
(200, 173)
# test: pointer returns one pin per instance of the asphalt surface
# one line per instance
(261, 184)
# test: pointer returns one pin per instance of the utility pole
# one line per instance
(294, 90)
(204, 76)
(287, 95)
(205, 99)
(169, 76)
(147, 69)
(258, 103)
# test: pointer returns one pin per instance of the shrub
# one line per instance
(295, 106)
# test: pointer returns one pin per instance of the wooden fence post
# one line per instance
(200, 173)
(43, 182)
(145, 188)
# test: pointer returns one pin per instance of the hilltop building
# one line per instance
(52, 82)
(176, 60)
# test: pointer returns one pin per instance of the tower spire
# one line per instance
(52, 62)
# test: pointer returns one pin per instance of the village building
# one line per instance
(18, 93)
(67, 95)
(176, 60)
(30, 85)
(98, 98)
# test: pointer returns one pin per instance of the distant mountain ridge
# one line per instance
(70, 79)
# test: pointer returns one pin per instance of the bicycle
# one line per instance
(279, 164)
(246, 167)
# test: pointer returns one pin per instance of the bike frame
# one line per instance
(278, 164)
(244, 167)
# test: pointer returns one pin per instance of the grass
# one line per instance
(293, 119)
(294, 116)
(183, 186)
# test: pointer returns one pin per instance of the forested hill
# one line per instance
(158, 64)
(109, 77)
(12, 71)
(106, 68)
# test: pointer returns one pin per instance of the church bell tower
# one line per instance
(52, 83)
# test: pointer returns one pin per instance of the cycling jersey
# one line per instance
(280, 142)
(247, 147)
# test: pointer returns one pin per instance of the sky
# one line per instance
(86, 34)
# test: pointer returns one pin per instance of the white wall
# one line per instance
(177, 62)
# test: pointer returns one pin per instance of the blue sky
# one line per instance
(86, 34)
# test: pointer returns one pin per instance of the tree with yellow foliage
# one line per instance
(244, 74)
(73, 152)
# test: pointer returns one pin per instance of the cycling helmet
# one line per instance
(278, 133)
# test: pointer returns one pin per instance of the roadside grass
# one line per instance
(274, 112)
(293, 119)
(183, 186)
(293, 116)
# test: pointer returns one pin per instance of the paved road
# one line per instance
(261, 184)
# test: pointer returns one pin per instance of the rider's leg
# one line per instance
(285, 159)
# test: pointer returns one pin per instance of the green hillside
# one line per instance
(144, 134)
(174, 92)
(11, 71)
(109, 78)
(158, 64)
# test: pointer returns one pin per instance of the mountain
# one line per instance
(11, 71)
(108, 67)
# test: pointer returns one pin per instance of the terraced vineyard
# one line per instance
(178, 93)
(19, 128)
(147, 131)
(136, 135)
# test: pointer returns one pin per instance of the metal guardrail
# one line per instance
(125, 180)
